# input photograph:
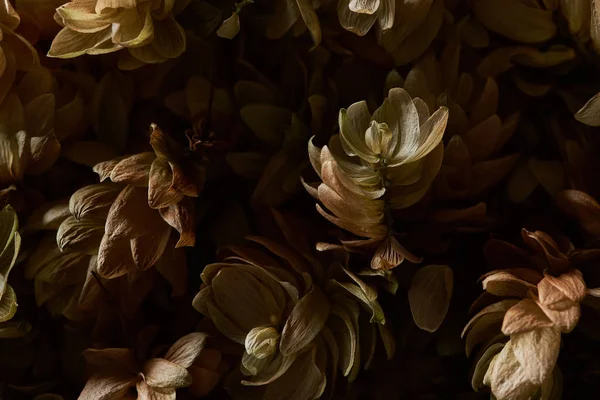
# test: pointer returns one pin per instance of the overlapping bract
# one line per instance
(378, 163)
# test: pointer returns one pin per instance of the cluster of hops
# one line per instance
(299, 199)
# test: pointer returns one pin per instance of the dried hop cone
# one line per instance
(378, 163)
(539, 301)
(147, 28)
(157, 191)
(299, 320)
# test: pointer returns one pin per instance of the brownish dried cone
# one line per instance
(542, 299)
(476, 133)
(299, 326)
(147, 29)
(65, 260)
(115, 371)
(378, 163)
(158, 195)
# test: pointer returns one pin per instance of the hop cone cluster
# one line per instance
(299, 199)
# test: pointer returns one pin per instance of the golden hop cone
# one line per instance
(146, 28)
(10, 243)
(115, 371)
(296, 324)
(378, 163)
(540, 300)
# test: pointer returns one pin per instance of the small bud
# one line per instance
(262, 341)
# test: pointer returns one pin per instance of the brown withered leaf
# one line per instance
(429, 296)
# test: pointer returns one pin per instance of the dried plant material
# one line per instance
(378, 163)
(180, 152)
(429, 296)
(282, 316)
(115, 371)
(148, 31)
(359, 16)
(550, 306)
